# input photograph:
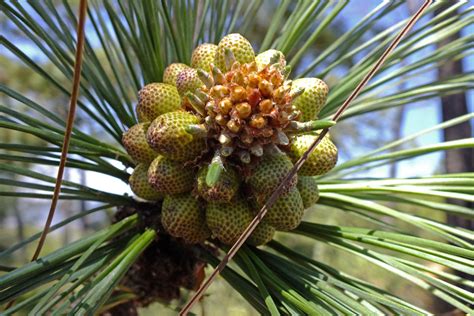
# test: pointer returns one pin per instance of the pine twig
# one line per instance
(69, 126)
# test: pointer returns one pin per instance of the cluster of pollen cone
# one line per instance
(217, 137)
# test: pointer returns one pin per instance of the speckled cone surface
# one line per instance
(228, 221)
(139, 184)
(203, 56)
(172, 71)
(313, 98)
(167, 135)
(320, 161)
(308, 188)
(155, 99)
(269, 173)
(167, 176)
(223, 190)
(242, 115)
(263, 59)
(287, 212)
(240, 47)
(187, 81)
(183, 216)
(135, 143)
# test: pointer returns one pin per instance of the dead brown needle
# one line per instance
(69, 125)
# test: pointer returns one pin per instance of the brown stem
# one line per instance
(69, 125)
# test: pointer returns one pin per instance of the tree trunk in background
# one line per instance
(457, 160)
